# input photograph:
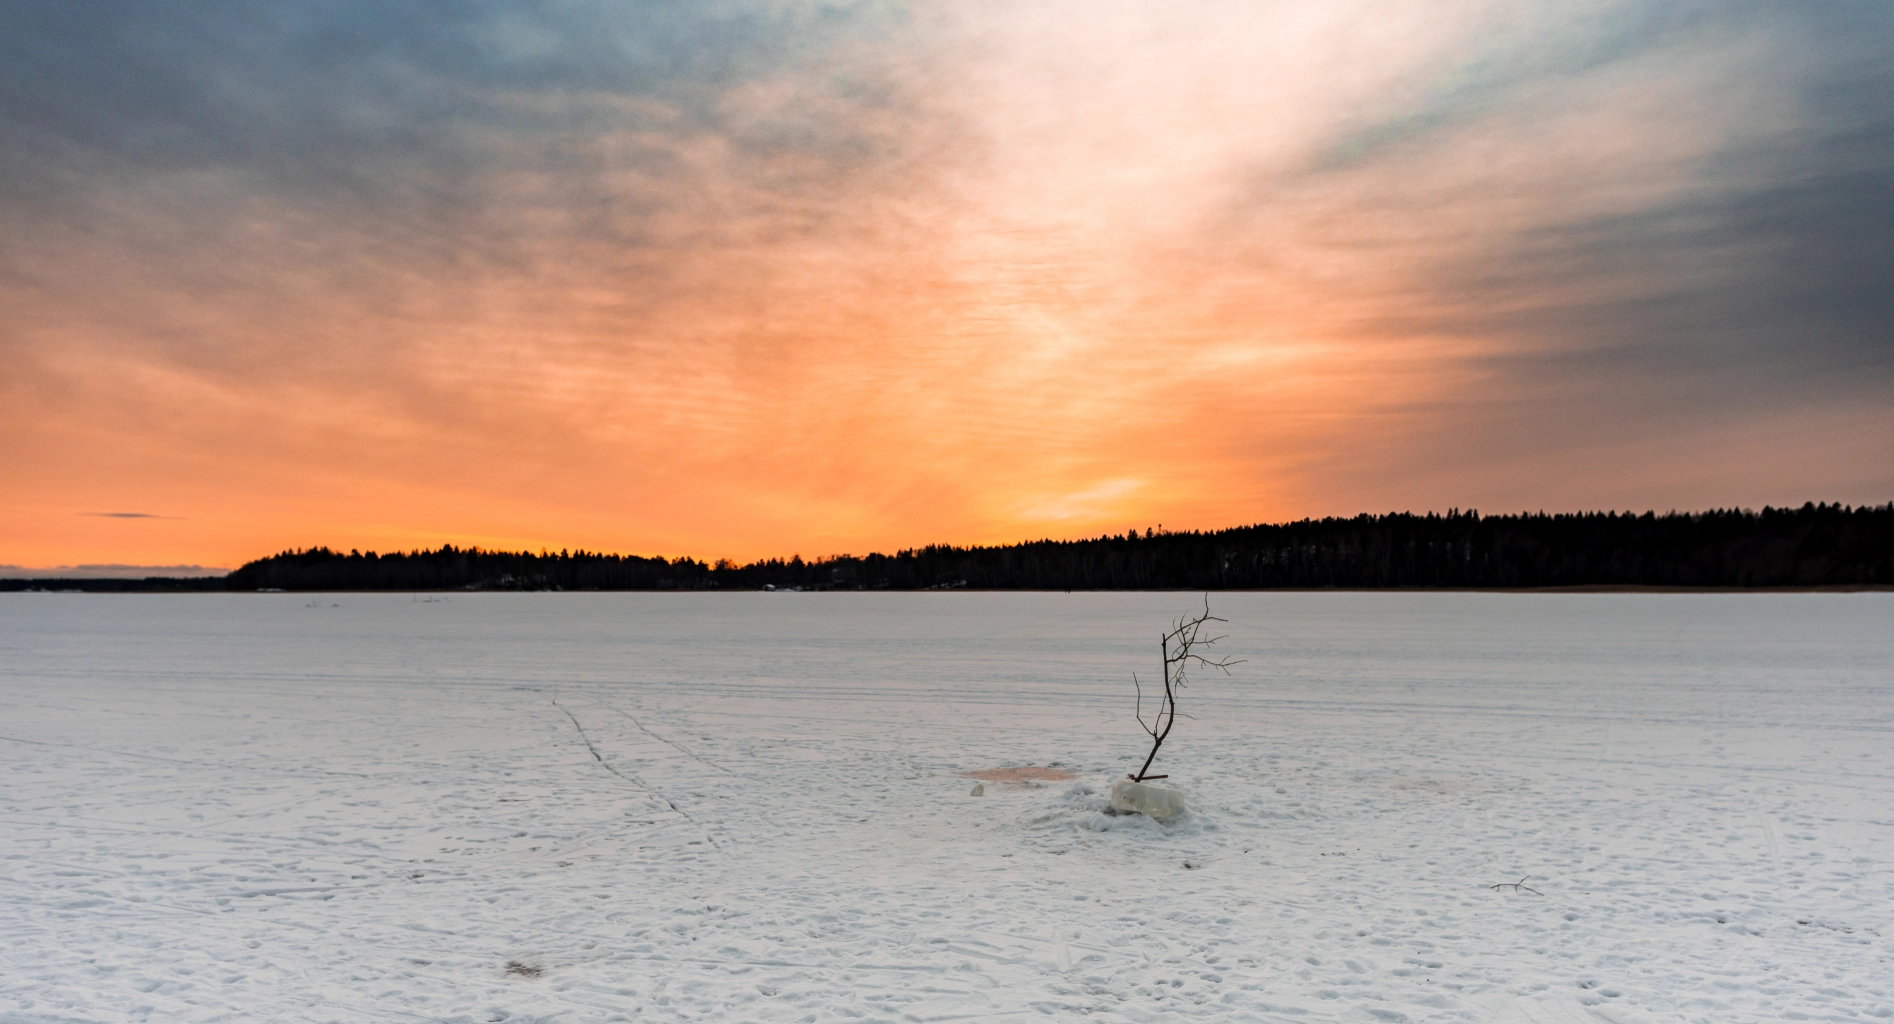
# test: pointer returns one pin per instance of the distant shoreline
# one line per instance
(191, 585)
(1816, 547)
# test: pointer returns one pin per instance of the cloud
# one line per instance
(1089, 505)
(754, 277)
(127, 515)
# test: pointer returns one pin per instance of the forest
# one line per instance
(1813, 545)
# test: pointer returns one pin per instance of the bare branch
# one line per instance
(1139, 707)
(1179, 651)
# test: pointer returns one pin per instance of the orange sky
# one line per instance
(953, 273)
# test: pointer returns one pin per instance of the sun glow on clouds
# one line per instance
(784, 280)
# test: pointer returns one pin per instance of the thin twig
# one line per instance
(1519, 886)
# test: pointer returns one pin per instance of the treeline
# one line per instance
(452, 568)
(1814, 545)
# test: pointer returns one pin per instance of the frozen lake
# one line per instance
(367, 807)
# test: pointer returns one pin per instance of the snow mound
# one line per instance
(1128, 797)
(1087, 806)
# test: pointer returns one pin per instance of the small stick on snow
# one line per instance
(1517, 886)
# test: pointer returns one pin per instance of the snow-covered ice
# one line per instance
(571, 807)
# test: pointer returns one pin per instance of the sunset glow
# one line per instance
(746, 280)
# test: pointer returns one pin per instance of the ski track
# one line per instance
(748, 807)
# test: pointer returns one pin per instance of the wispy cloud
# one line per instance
(128, 515)
(1088, 506)
(758, 277)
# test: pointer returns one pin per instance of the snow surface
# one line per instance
(572, 807)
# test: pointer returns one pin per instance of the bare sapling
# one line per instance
(1180, 648)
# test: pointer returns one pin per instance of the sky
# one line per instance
(738, 279)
